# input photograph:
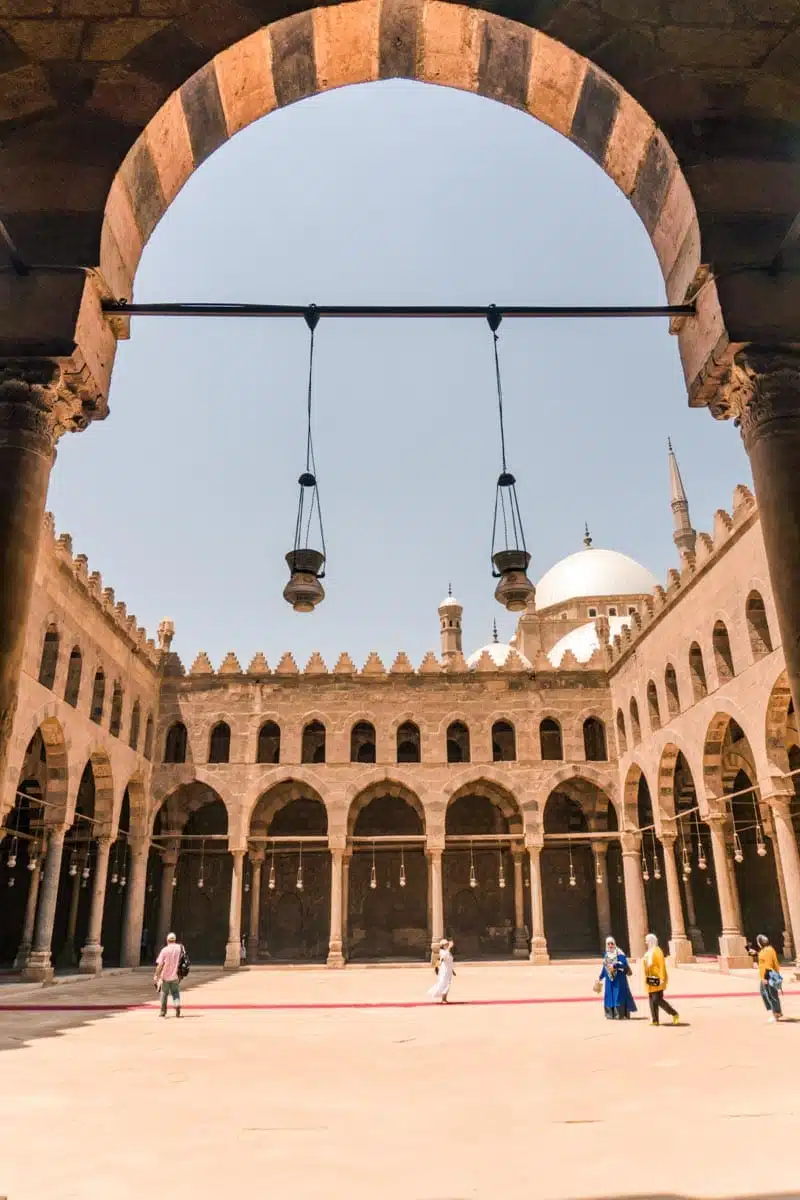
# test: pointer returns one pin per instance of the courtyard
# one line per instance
(302, 1082)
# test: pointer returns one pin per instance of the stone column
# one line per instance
(762, 391)
(680, 947)
(789, 861)
(520, 931)
(436, 896)
(233, 949)
(69, 954)
(346, 904)
(24, 948)
(737, 900)
(602, 894)
(788, 940)
(695, 933)
(732, 952)
(169, 864)
(92, 953)
(539, 955)
(253, 928)
(335, 955)
(634, 893)
(134, 902)
(39, 966)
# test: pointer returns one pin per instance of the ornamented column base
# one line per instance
(38, 968)
(335, 956)
(23, 953)
(91, 959)
(680, 949)
(233, 956)
(520, 949)
(539, 955)
(732, 953)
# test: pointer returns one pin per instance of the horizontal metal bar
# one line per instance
(119, 308)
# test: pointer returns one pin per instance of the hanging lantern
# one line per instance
(598, 873)
(11, 881)
(510, 557)
(271, 876)
(572, 880)
(373, 874)
(174, 880)
(298, 883)
(246, 887)
(738, 852)
(306, 563)
(33, 861)
(501, 879)
(473, 878)
(702, 863)
(123, 880)
(645, 872)
(11, 862)
(85, 872)
(73, 865)
(402, 869)
(114, 877)
(761, 848)
(656, 870)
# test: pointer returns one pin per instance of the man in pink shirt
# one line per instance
(167, 974)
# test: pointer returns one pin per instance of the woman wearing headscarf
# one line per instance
(617, 999)
(769, 970)
(444, 973)
(655, 980)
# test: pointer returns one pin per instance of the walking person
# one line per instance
(444, 972)
(167, 978)
(655, 980)
(769, 970)
(613, 980)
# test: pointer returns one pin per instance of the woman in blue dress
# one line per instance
(617, 999)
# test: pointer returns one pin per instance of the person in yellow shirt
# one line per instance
(769, 970)
(655, 979)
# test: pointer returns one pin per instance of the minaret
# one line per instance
(450, 612)
(684, 536)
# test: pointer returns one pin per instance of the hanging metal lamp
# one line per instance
(510, 557)
(306, 559)
(402, 868)
(473, 878)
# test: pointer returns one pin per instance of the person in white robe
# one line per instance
(445, 972)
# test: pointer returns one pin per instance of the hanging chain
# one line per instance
(312, 320)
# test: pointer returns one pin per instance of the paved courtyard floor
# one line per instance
(304, 1084)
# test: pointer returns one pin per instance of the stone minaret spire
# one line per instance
(450, 613)
(684, 536)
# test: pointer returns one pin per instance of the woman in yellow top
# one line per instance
(655, 978)
(769, 970)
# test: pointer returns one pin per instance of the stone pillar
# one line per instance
(437, 897)
(634, 893)
(789, 862)
(680, 947)
(520, 931)
(253, 928)
(134, 902)
(169, 864)
(762, 391)
(24, 948)
(788, 940)
(732, 952)
(69, 954)
(346, 904)
(92, 953)
(39, 966)
(602, 894)
(737, 900)
(233, 949)
(335, 955)
(539, 955)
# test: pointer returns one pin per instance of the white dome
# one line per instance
(498, 652)
(450, 602)
(593, 572)
(583, 641)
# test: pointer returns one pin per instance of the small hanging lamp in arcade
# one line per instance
(306, 560)
(510, 557)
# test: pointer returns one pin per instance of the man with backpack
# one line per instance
(172, 965)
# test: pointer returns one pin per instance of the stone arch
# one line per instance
(653, 709)
(504, 740)
(103, 790)
(671, 690)
(408, 741)
(363, 742)
(501, 797)
(551, 739)
(755, 612)
(314, 740)
(183, 800)
(268, 742)
(378, 789)
(622, 737)
(779, 708)
(595, 739)
(723, 656)
(305, 782)
(137, 801)
(276, 798)
(51, 649)
(57, 773)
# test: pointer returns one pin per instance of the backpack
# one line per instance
(184, 966)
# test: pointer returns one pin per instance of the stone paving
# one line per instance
(518, 1089)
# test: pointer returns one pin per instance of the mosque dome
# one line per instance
(583, 641)
(593, 572)
(450, 602)
(498, 652)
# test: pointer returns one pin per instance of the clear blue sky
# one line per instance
(395, 192)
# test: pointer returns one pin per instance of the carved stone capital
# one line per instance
(761, 391)
(42, 398)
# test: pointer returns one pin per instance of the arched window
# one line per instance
(49, 662)
(671, 688)
(622, 739)
(115, 724)
(269, 743)
(653, 711)
(594, 740)
(98, 697)
(697, 672)
(722, 652)
(362, 742)
(636, 729)
(408, 743)
(175, 745)
(136, 719)
(148, 739)
(758, 626)
(457, 743)
(313, 750)
(504, 742)
(74, 670)
(219, 743)
(550, 740)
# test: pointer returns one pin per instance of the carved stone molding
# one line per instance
(761, 391)
(42, 398)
